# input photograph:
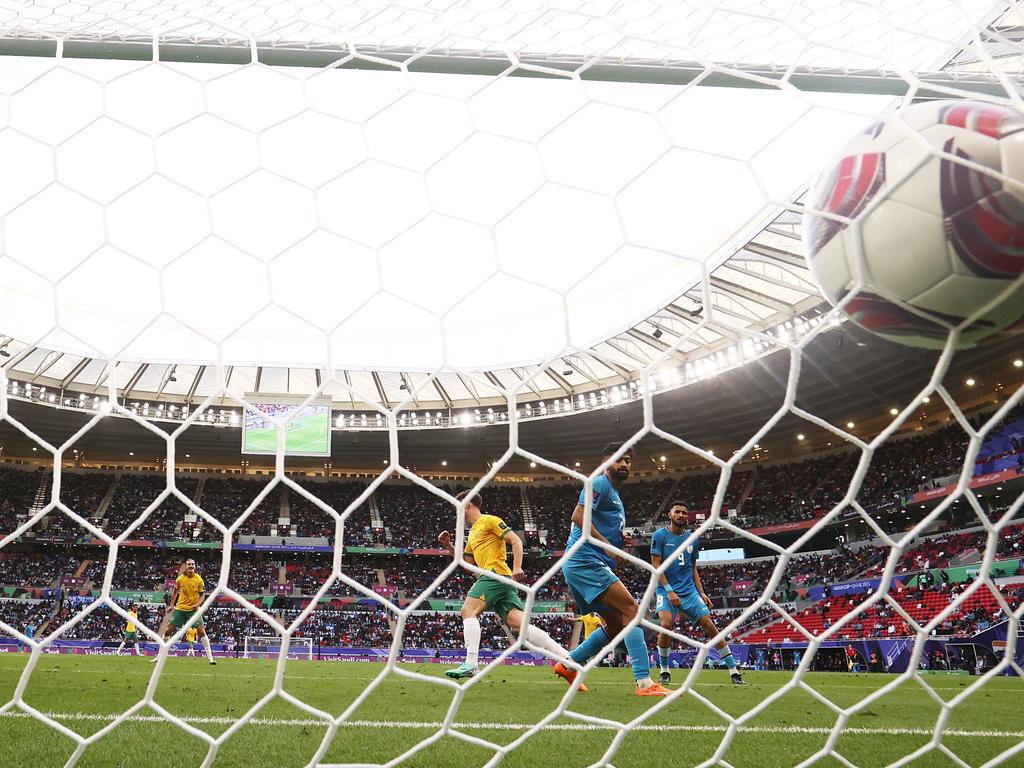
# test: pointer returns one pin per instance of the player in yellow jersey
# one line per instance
(186, 597)
(485, 546)
(190, 640)
(130, 633)
(590, 622)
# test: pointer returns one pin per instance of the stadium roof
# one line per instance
(575, 295)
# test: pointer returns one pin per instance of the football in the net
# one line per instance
(928, 239)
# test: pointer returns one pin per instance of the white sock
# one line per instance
(538, 638)
(206, 647)
(644, 684)
(137, 651)
(471, 632)
(119, 648)
(663, 657)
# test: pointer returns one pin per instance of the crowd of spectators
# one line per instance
(22, 613)
(17, 492)
(414, 516)
(936, 552)
(225, 499)
(38, 568)
(102, 623)
(794, 490)
(309, 574)
(308, 519)
(134, 493)
(922, 602)
(698, 490)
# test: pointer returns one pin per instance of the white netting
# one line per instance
(220, 213)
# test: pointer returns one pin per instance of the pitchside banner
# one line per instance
(849, 588)
(965, 572)
(978, 481)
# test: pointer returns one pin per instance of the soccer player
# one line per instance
(131, 635)
(590, 622)
(190, 639)
(595, 587)
(186, 597)
(485, 546)
(680, 592)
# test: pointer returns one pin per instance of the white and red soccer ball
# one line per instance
(939, 242)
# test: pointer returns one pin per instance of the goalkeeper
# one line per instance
(485, 546)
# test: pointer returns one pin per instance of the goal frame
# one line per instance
(275, 642)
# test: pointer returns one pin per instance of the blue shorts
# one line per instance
(587, 582)
(690, 604)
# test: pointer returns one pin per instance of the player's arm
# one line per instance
(700, 587)
(445, 540)
(517, 555)
(672, 596)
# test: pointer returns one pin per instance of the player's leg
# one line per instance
(191, 649)
(535, 636)
(619, 609)
(171, 625)
(666, 617)
(205, 640)
(119, 647)
(474, 604)
(724, 652)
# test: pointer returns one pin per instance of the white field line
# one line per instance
(882, 679)
(421, 725)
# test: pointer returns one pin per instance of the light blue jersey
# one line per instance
(679, 575)
(608, 516)
(30, 631)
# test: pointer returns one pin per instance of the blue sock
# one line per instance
(595, 641)
(727, 659)
(638, 657)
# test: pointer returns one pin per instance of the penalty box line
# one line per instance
(426, 725)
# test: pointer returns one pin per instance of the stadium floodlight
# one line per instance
(894, 411)
(970, 382)
(849, 425)
(1018, 363)
(800, 436)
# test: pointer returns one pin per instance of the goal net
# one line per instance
(264, 647)
(473, 227)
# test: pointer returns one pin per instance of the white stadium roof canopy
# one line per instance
(387, 222)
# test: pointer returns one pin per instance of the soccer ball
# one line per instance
(940, 240)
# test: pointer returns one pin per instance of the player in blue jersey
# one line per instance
(595, 587)
(679, 590)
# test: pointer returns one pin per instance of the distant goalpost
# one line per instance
(271, 646)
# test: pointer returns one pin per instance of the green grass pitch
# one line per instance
(308, 434)
(85, 692)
